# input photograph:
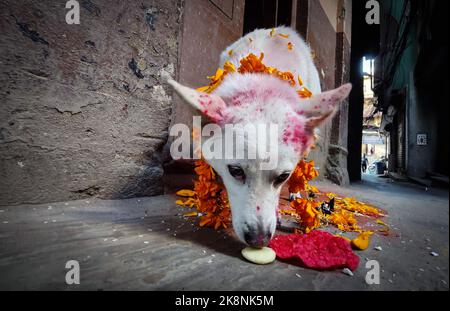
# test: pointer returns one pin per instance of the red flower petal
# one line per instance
(317, 250)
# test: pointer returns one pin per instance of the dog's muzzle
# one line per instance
(257, 237)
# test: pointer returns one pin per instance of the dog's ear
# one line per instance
(322, 106)
(210, 105)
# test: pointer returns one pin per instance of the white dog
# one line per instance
(264, 99)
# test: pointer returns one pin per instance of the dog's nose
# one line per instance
(257, 238)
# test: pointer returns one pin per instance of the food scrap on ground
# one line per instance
(260, 256)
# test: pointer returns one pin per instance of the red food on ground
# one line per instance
(317, 250)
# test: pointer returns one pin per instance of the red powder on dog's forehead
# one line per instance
(243, 98)
(294, 134)
(205, 100)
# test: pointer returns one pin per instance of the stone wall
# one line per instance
(336, 167)
(324, 32)
(82, 109)
(209, 26)
(327, 30)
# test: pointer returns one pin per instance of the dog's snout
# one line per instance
(257, 237)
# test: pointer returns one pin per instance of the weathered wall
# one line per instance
(336, 167)
(82, 110)
(322, 38)
(209, 26)
(327, 24)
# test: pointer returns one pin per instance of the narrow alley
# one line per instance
(144, 145)
(145, 244)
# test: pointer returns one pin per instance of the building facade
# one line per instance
(85, 113)
(411, 83)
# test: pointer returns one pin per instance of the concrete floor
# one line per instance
(144, 244)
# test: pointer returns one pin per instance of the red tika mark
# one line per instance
(267, 94)
(304, 140)
(205, 103)
(242, 98)
(236, 102)
(294, 134)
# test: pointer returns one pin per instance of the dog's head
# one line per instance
(284, 125)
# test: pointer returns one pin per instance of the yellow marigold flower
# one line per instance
(185, 193)
(381, 223)
(362, 241)
(229, 67)
(343, 220)
(191, 214)
(203, 88)
(304, 93)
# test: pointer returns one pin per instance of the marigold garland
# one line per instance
(210, 199)
(254, 64)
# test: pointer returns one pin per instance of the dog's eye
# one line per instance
(281, 178)
(237, 172)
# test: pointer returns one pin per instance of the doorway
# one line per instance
(267, 14)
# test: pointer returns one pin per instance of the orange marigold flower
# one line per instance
(304, 92)
(308, 214)
(287, 76)
(185, 193)
(304, 172)
(344, 220)
(253, 64)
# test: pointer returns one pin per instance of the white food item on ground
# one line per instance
(347, 271)
(260, 256)
(434, 254)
